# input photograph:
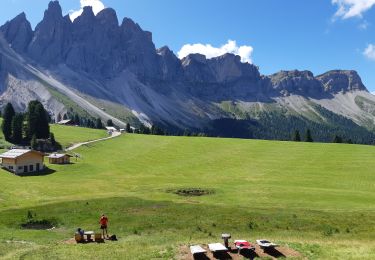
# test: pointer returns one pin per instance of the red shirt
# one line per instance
(103, 221)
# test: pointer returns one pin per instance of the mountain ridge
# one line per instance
(97, 56)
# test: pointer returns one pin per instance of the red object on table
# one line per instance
(243, 245)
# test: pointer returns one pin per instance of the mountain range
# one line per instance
(97, 66)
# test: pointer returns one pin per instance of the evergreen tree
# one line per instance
(37, 121)
(99, 124)
(144, 130)
(109, 122)
(52, 138)
(7, 121)
(128, 128)
(337, 139)
(58, 118)
(65, 117)
(155, 130)
(77, 119)
(43, 122)
(34, 142)
(17, 129)
(308, 136)
(297, 136)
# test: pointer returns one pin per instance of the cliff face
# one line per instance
(118, 62)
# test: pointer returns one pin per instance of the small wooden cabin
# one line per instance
(59, 158)
(22, 161)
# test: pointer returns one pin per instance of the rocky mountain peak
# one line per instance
(195, 57)
(54, 10)
(107, 17)
(50, 37)
(18, 32)
(341, 80)
(296, 82)
(86, 17)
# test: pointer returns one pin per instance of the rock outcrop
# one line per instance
(341, 81)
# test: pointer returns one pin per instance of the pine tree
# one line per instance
(109, 122)
(99, 124)
(7, 121)
(128, 128)
(37, 121)
(297, 136)
(34, 142)
(337, 139)
(58, 118)
(52, 138)
(77, 119)
(17, 129)
(308, 136)
(43, 122)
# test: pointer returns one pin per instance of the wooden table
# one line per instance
(88, 234)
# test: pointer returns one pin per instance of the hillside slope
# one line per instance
(296, 194)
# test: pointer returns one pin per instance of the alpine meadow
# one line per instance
(250, 136)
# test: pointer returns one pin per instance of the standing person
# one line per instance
(104, 225)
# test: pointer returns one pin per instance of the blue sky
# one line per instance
(316, 35)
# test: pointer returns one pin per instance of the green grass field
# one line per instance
(315, 198)
(68, 135)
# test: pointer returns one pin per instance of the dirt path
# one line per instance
(75, 146)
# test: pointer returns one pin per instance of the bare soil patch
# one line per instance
(38, 225)
(191, 192)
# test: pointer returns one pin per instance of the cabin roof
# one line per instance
(58, 155)
(15, 153)
(63, 122)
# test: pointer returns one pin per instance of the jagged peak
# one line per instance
(129, 24)
(108, 16)
(21, 16)
(194, 57)
(164, 51)
(67, 19)
(86, 17)
(54, 9)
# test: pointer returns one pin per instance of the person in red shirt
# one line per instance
(104, 225)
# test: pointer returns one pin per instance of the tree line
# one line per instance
(27, 128)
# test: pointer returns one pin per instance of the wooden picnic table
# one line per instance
(88, 234)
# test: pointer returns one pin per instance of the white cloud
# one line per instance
(97, 6)
(369, 52)
(352, 8)
(210, 51)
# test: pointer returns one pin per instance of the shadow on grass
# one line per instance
(45, 172)
(222, 255)
(201, 257)
(274, 252)
(249, 254)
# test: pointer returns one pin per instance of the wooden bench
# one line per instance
(79, 238)
(98, 237)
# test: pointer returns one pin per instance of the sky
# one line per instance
(315, 35)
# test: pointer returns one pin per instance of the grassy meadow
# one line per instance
(318, 199)
(69, 135)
